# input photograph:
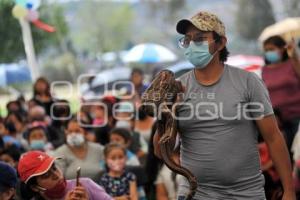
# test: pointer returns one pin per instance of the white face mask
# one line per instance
(117, 165)
(123, 124)
(75, 139)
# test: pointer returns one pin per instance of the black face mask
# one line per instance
(10, 127)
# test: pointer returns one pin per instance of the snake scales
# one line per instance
(158, 101)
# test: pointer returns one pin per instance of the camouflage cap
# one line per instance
(204, 21)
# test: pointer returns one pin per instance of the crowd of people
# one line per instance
(42, 143)
(109, 139)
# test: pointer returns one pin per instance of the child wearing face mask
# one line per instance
(117, 182)
(37, 138)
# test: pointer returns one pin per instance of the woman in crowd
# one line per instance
(15, 126)
(282, 78)
(42, 179)
(79, 152)
(42, 95)
(16, 106)
(9, 136)
(17, 120)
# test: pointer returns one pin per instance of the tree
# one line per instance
(103, 26)
(252, 17)
(10, 34)
(12, 48)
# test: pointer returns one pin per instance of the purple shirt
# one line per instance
(95, 192)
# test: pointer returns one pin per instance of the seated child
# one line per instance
(117, 182)
(37, 138)
(123, 137)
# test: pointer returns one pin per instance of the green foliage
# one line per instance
(252, 17)
(54, 15)
(63, 67)
(10, 34)
(103, 26)
(11, 41)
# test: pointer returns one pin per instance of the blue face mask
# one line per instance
(37, 144)
(272, 56)
(198, 55)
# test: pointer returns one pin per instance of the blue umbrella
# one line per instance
(149, 53)
(14, 73)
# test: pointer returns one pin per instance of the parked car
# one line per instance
(105, 81)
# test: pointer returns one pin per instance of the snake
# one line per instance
(159, 100)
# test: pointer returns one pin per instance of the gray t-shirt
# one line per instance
(90, 165)
(219, 135)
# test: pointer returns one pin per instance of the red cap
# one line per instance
(34, 163)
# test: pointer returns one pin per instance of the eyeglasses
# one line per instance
(185, 41)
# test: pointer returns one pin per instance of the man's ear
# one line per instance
(223, 43)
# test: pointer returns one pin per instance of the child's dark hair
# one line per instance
(124, 133)
(111, 146)
(28, 132)
(78, 121)
(13, 151)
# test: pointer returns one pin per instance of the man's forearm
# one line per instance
(281, 160)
